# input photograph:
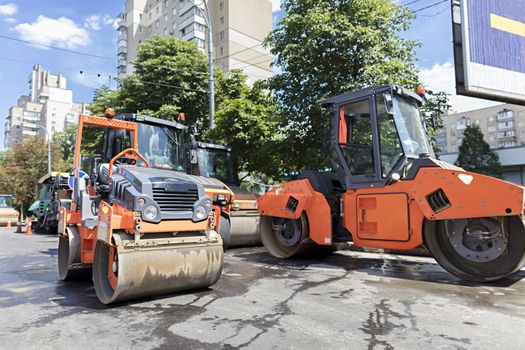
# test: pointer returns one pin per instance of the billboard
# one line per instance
(489, 49)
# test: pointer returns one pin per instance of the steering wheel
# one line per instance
(131, 155)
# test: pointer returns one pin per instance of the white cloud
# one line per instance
(96, 22)
(8, 10)
(276, 5)
(61, 32)
(441, 77)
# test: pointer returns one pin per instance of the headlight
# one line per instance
(200, 213)
(150, 213)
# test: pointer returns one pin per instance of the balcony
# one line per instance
(121, 20)
(505, 116)
(122, 50)
(505, 127)
(122, 63)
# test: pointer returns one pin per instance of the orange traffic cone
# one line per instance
(29, 231)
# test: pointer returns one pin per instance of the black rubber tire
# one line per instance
(506, 264)
(225, 231)
(305, 248)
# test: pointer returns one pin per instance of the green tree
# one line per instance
(168, 72)
(180, 70)
(435, 105)
(246, 121)
(24, 165)
(476, 155)
(327, 47)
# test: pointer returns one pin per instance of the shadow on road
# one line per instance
(377, 266)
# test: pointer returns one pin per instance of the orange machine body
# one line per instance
(115, 217)
(392, 217)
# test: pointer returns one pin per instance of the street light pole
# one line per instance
(48, 148)
(211, 86)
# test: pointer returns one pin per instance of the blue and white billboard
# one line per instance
(493, 45)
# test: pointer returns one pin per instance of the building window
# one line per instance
(157, 23)
(199, 42)
(221, 35)
(157, 10)
(491, 119)
(174, 11)
(221, 6)
(222, 19)
(141, 29)
(222, 50)
(140, 17)
(199, 27)
(165, 18)
(150, 15)
(183, 31)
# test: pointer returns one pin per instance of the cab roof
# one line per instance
(359, 94)
(146, 119)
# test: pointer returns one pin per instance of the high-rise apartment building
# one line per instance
(503, 126)
(49, 104)
(238, 26)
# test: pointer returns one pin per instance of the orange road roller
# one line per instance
(387, 190)
(137, 219)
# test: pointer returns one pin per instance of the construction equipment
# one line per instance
(388, 191)
(242, 227)
(54, 193)
(8, 214)
(142, 224)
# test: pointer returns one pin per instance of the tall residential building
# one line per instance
(49, 104)
(503, 126)
(239, 28)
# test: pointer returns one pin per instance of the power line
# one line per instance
(236, 52)
(437, 13)
(412, 2)
(57, 48)
(432, 5)
(99, 75)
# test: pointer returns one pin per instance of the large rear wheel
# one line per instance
(478, 249)
(287, 238)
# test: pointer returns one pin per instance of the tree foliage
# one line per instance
(24, 165)
(247, 122)
(245, 116)
(327, 47)
(435, 105)
(476, 155)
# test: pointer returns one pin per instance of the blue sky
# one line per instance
(87, 26)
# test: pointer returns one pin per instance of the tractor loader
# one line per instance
(241, 228)
(137, 219)
(388, 191)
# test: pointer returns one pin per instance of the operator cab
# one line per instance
(377, 136)
(214, 161)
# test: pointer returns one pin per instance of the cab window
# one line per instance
(390, 146)
(356, 144)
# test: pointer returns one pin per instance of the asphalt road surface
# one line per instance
(348, 300)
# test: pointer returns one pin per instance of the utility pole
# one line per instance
(211, 86)
(48, 148)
